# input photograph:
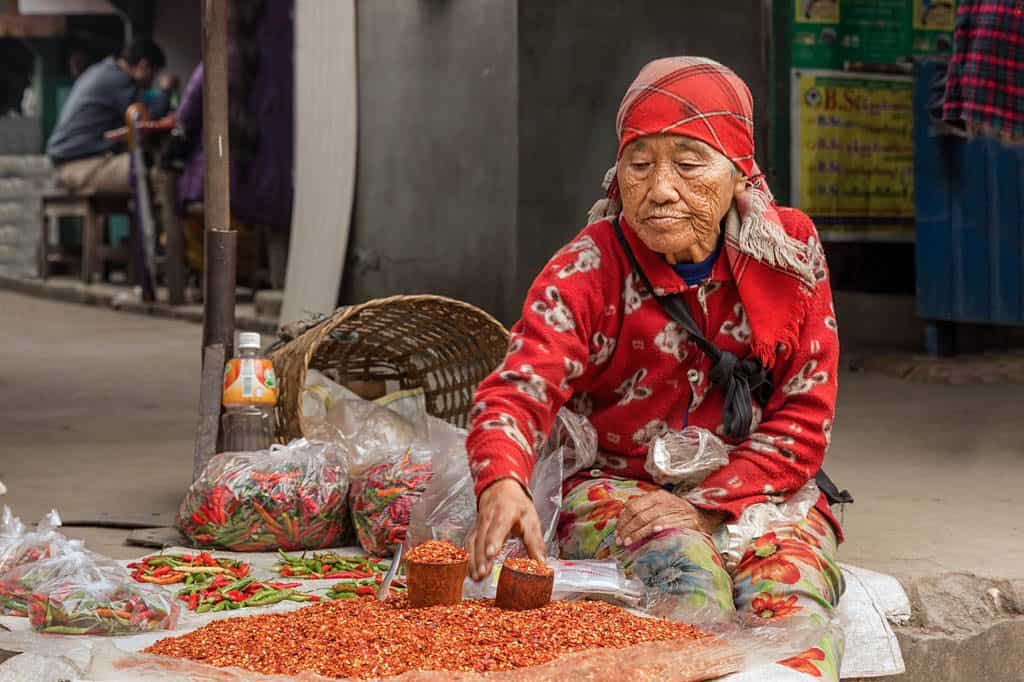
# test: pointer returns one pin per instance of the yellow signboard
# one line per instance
(852, 155)
(816, 11)
(934, 15)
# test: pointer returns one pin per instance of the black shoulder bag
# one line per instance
(742, 381)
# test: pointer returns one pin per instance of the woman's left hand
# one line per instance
(653, 512)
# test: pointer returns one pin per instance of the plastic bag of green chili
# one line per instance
(290, 497)
(96, 597)
(68, 558)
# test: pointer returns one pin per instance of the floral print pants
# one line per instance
(787, 576)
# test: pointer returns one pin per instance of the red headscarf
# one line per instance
(703, 99)
(695, 97)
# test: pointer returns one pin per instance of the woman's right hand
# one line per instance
(504, 510)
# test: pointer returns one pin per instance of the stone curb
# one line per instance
(70, 291)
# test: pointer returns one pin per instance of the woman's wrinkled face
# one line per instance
(675, 192)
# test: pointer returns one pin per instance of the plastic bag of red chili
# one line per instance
(381, 498)
(290, 497)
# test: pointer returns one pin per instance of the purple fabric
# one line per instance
(265, 196)
(190, 118)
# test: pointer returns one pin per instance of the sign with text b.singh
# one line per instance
(853, 155)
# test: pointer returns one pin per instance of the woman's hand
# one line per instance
(504, 510)
(653, 512)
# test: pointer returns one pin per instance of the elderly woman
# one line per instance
(695, 301)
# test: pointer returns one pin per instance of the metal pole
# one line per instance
(221, 242)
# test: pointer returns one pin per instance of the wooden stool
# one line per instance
(93, 210)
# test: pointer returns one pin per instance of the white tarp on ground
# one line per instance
(872, 600)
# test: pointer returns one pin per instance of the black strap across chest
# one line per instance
(742, 381)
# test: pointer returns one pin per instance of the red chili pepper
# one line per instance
(236, 596)
(163, 570)
(193, 601)
(364, 590)
(354, 575)
(187, 557)
(286, 571)
(283, 586)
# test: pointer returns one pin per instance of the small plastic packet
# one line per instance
(684, 458)
(19, 582)
(595, 579)
(289, 497)
(603, 580)
(86, 596)
(574, 440)
(11, 529)
(732, 539)
(22, 548)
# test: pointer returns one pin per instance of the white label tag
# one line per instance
(248, 373)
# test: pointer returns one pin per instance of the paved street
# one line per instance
(97, 410)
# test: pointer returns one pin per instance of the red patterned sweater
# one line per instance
(592, 338)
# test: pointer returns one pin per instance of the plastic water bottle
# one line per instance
(249, 398)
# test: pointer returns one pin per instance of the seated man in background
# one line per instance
(84, 160)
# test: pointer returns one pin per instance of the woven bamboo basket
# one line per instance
(445, 346)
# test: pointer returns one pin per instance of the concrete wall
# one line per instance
(436, 177)
(177, 28)
(576, 59)
(486, 126)
(23, 180)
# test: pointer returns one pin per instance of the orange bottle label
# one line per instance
(250, 381)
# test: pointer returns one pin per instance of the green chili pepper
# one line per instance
(66, 630)
(237, 585)
(256, 596)
(278, 596)
(342, 595)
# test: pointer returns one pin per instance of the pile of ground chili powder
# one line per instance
(362, 638)
(528, 566)
(437, 552)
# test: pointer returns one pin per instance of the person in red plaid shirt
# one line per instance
(688, 200)
(985, 87)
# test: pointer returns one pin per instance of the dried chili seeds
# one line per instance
(365, 638)
(437, 552)
(530, 566)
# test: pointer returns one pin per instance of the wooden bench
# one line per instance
(93, 211)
